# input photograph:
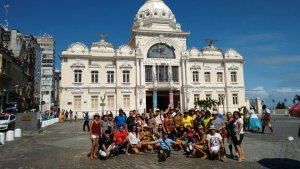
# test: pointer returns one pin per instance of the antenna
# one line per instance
(6, 6)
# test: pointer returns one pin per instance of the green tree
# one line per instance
(206, 104)
(296, 99)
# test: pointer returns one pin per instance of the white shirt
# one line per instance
(214, 139)
(134, 138)
(236, 125)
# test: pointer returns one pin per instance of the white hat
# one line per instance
(212, 127)
(214, 112)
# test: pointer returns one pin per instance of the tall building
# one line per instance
(20, 55)
(47, 44)
(154, 70)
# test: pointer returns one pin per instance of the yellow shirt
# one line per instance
(206, 124)
(187, 121)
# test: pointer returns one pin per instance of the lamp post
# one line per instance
(2, 94)
(223, 98)
(9, 92)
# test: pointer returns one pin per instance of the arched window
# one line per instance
(161, 50)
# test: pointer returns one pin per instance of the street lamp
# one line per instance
(2, 94)
(9, 92)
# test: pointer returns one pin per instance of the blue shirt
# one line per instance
(163, 144)
(120, 121)
(86, 117)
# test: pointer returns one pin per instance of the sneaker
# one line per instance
(222, 159)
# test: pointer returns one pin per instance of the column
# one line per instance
(154, 99)
(171, 98)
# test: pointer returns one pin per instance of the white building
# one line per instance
(47, 44)
(154, 69)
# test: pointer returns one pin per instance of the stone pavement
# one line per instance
(64, 146)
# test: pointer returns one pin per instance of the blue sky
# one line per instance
(265, 32)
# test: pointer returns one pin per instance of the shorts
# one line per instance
(215, 148)
(237, 142)
(94, 136)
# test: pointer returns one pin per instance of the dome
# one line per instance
(78, 47)
(154, 9)
(233, 54)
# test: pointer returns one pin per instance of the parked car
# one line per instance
(7, 122)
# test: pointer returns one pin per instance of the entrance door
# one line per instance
(162, 100)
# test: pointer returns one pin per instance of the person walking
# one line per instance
(266, 119)
(86, 121)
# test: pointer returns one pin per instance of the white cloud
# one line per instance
(286, 90)
(256, 92)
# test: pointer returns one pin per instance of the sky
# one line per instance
(265, 32)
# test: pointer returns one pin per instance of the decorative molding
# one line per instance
(195, 67)
(207, 68)
(78, 65)
(233, 67)
(110, 66)
(95, 66)
(126, 66)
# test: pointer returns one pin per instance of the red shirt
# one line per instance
(122, 135)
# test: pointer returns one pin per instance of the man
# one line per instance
(266, 119)
(187, 120)
(86, 121)
(121, 139)
(217, 122)
(130, 120)
(165, 146)
(197, 120)
(215, 144)
(200, 146)
(106, 145)
(206, 121)
(121, 119)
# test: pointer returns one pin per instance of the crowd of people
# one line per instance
(198, 133)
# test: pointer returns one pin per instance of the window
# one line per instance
(78, 76)
(148, 73)
(175, 73)
(94, 102)
(196, 97)
(208, 96)
(221, 99)
(233, 77)
(110, 76)
(235, 99)
(126, 101)
(195, 76)
(219, 77)
(126, 76)
(162, 74)
(94, 76)
(207, 77)
(77, 102)
(110, 102)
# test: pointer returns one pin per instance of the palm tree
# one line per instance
(296, 98)
(205, 104)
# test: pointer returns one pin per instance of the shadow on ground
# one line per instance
(279, 163)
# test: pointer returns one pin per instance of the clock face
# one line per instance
(161, 51)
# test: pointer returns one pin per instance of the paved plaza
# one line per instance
(64, 146)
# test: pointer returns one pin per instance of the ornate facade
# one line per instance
(154, 70)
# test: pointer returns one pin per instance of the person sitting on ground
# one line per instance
(165, 146)
(134, 141)
(95, 132)
(180, 136)
(187, 144)
(121, 139)
(146, 136)
(200, 147)
(215, 144)
(106, 146)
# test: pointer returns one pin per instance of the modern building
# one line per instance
(47, 44)
(19, 68)
(155, 69)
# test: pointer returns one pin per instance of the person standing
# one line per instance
(254, 122)
(266, 119)
(130, 121)
(238, 135)
(86, 121)
(121, 119)
(95, 132)
(187, 120)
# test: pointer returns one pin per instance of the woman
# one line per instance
(200, 146)
(229, 129)
(146, 136)
(238, 135)
(189, 139)
(181, 134)
(254, 121)
(95, 132)
(134, 140)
